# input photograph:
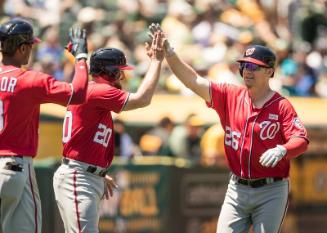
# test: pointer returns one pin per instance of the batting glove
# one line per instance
(272, 156)
(78, 43)
(169, 51)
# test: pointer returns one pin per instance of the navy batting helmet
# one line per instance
(259, 55)
(14, 33)
(108, 61)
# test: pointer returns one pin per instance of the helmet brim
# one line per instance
(252, 60)
(126, 67)
(36, 40)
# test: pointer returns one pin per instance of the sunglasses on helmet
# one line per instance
(250, 66)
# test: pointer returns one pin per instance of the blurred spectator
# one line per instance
(124, 145)
(212, 147)
(185, 139)
(51, 54)
(321, 86)
(204, 32)
(45, 12)
(156, 141)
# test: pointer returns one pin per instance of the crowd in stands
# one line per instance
(208, 34)
(193, 140)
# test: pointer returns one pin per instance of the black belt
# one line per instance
(255, 183)
(90, 169)
(12, 156)
(13, 166)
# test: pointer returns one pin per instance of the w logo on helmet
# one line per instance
(249, 51)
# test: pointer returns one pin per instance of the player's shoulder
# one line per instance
(95, 88)
(27, 78)
(35, 77)
(281, 101)
(101, 88)
(227, 87)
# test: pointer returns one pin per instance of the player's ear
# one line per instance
(270, 72)
(22, 48)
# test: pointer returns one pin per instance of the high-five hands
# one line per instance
(154, 28)
(272, 156)
(155, 51)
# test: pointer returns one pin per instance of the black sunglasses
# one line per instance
(250, 66)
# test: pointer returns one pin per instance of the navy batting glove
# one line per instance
(78, 43)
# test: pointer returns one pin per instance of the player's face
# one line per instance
(254, 75)
(117, 83)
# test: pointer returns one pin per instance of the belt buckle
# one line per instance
(258, 183)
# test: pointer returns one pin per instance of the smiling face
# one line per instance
(255, 76)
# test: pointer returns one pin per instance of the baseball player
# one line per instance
(262, 134)
(81, 181)
(21, 93)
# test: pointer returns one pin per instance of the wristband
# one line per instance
(81, 55)
(170, 51)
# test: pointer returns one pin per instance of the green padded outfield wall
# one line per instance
(156, 195)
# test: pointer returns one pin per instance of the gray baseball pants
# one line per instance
(20, 199)
(264, 208)
(78, 194)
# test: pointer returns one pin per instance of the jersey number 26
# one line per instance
(232, 137)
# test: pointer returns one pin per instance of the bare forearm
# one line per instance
(148, 85)
(185, 73)
(295, 147)
(188, 76)
(150, 81)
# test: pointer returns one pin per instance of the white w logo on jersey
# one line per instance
(269, 129)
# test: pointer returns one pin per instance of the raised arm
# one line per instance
(145, 91)
(78, 47)
(185, 73)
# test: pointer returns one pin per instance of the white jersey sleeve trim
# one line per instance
(210, 93)
(122, 109)
(71, 96)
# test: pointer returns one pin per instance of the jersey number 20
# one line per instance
(102, 135)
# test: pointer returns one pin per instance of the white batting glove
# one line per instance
(272, 156)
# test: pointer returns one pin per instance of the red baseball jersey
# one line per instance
(21, 93)
(249, 132)
(88, 134)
